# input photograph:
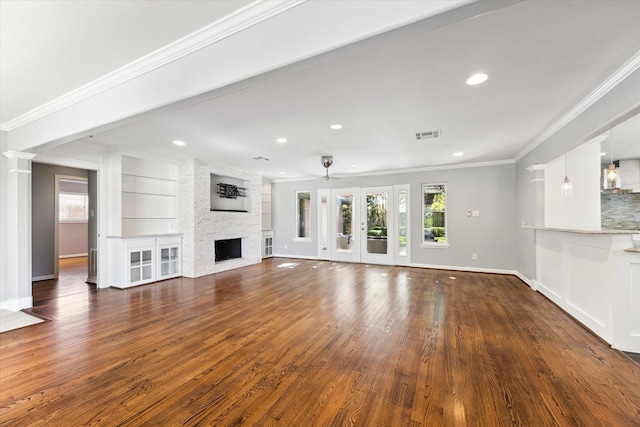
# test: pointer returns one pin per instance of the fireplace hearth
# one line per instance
(228, 249)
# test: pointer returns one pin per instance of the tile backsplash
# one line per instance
(620, 211)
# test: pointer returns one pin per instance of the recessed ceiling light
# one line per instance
(458, 153)
(336, 126)
(282, 173)
(281, 140)
(476, 79)
(354, 166)
(179, 143)
(602, 154)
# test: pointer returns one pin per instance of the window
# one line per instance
(303, 215)
(73, 207)
(434, 214)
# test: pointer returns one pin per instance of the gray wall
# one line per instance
(43, 215)
(491, 190)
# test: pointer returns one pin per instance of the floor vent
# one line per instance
(93, 266)
(431, 134)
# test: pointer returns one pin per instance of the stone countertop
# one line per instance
(569, 230)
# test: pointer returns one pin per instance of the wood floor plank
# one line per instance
(300, 342)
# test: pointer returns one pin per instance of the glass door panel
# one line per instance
(377, 225)
(344, 207)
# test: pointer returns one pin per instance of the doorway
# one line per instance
(362, 225)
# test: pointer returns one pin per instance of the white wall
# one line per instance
(201, 226)
(581, 211)
(620, 103)
(3, 215)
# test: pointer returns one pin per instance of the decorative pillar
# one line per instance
(18, 231)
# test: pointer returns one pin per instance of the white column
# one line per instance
(18, 232)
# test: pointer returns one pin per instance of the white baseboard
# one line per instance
(17, 304)
(531, 283)
(463, 268)
(39, 278)
(73, 255)
(295, 256)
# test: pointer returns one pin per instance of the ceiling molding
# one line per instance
(403, 171)
(622, 73)
(250, 15)
(12, 154)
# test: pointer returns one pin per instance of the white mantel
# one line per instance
(201, 227)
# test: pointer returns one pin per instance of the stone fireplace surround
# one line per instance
(201, 227)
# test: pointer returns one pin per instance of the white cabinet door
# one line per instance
(140, 265)
(169, 261)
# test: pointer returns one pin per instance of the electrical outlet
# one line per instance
(285, 247)
(474, 257)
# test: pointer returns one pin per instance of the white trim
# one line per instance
(467, 269)
(244, 18)
(622, 73)
(19, 171)
(13, 154)
(434, 245)
(73, 256)
(525, 279)
(404, 171)
(300, 257)
(17, 304)
(46, 277)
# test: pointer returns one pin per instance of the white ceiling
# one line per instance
(542, 59)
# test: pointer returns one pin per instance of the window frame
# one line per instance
(433, 244)
(85, 220)
(307, 225)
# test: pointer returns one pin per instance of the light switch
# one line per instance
(475, 213)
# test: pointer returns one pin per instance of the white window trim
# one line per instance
(295, 233)
(435, 245)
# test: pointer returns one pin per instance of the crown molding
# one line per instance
(248, 16)
(12, 154)
(622, 73)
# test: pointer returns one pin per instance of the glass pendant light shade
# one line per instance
(612, 175)
(566, 186)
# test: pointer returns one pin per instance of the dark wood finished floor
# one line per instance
(299, 343)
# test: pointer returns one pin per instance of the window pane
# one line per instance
(434, 212)
(73, 207)
(344, 223)
(377, 223)
(402, 223)
(303, 214)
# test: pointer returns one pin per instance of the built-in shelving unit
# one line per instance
(144, 259)
(267, 243)
(149, 197)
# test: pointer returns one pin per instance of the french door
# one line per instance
(361, 225)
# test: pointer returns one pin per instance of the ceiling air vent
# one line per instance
(431, 134)
(260, 158)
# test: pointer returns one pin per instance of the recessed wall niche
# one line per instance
(229, 194)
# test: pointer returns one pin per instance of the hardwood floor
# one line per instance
(298, 343)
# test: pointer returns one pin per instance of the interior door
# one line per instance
(345, 234)
(377, 225)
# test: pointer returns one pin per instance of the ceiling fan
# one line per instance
(326, 162)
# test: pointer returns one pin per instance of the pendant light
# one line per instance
(566, 186)
(612, 172)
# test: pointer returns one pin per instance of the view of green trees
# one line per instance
(435, 202)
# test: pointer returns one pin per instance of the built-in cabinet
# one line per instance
(144, 259)
(267, 243)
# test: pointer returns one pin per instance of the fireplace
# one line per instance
(228, 249)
